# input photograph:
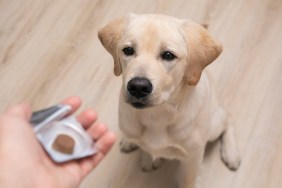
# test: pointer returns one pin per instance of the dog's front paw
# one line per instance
(151, 166)
(148, 164)
(127, 147)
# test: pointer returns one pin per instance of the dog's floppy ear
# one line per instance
(202, 50)
(109, 36)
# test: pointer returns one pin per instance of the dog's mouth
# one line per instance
(139, 105)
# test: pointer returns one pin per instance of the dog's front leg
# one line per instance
(130, 129)
(189, 172)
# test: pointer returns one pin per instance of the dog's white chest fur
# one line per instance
(157, 127)
(156, 124)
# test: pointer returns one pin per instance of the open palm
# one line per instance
(25, 164)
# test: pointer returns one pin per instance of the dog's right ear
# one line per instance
(109, 36)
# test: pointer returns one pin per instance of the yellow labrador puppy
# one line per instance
(168, 106)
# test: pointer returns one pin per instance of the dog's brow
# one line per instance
(167, 46)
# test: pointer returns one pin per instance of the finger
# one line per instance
(105, 143)
(97, 130)
(86, 165)
(87, 118)
(74, 102)
(22, 110)
(97, 159)
(89, 163)
(103, 146)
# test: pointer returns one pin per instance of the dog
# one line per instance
(168, 105)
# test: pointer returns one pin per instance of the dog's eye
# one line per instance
(168, 56)
(128, 51)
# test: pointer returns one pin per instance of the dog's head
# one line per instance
(157, 54)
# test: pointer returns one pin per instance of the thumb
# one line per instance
(21, 110)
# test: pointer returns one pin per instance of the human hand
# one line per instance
(23, 161)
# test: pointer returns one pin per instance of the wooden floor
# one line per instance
(49, 49)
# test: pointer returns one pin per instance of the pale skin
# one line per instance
(25, 164)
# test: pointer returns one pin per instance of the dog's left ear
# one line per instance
(109, 36)
(202, 50)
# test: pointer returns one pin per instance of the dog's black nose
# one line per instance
(139, 87)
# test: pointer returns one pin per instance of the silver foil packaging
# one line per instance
(62, 136)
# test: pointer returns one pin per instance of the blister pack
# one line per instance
(61, 135)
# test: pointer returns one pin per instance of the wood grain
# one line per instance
(49, 49)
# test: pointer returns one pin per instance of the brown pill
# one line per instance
(64, 144)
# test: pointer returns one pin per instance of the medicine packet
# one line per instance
(61, 135)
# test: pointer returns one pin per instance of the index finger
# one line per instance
(74, 102)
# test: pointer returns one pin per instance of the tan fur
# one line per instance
(184, 113)
(110, 37)
(202, 50)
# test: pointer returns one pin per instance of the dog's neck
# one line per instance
(187, 97)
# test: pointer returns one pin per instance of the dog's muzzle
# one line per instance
(139, 89)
